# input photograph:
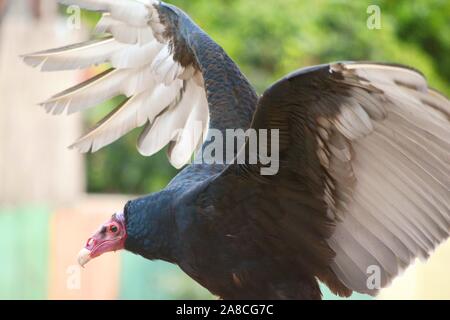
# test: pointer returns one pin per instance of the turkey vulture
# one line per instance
(363, 181)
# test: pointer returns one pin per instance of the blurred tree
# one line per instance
(426, 24)
(270, 39)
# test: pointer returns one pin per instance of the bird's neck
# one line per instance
(151, 228)
(234, 92)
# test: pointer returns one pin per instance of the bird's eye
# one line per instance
(113, 229)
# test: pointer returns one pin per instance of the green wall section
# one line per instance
(156, 280)
(24, 253)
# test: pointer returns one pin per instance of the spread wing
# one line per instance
(364, 147)
(176, 80)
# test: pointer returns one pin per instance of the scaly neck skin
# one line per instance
(151, 228)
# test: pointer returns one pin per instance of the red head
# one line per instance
(110, 237)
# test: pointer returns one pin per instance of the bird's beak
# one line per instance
(84, 257)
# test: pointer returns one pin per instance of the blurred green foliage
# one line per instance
(269, 39)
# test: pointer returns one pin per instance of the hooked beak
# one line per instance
(84, 257)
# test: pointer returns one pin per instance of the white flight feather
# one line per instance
(161, 93)
(168, 125)
(76, 56)
(123, 32)
(192, 135)
(134, 113)
(136, 56)
(400, 206)
(89, 94)
(134, 13)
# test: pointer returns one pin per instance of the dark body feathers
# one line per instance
(229, 233)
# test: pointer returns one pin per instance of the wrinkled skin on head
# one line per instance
(110, 237)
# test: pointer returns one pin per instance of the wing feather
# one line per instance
(123, 32)
(402, 170)
(161, 92)
(169, 124)
(382, 145)
(78, 56)
(135, 13)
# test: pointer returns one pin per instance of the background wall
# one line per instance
(51, 199)
(35, 165)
